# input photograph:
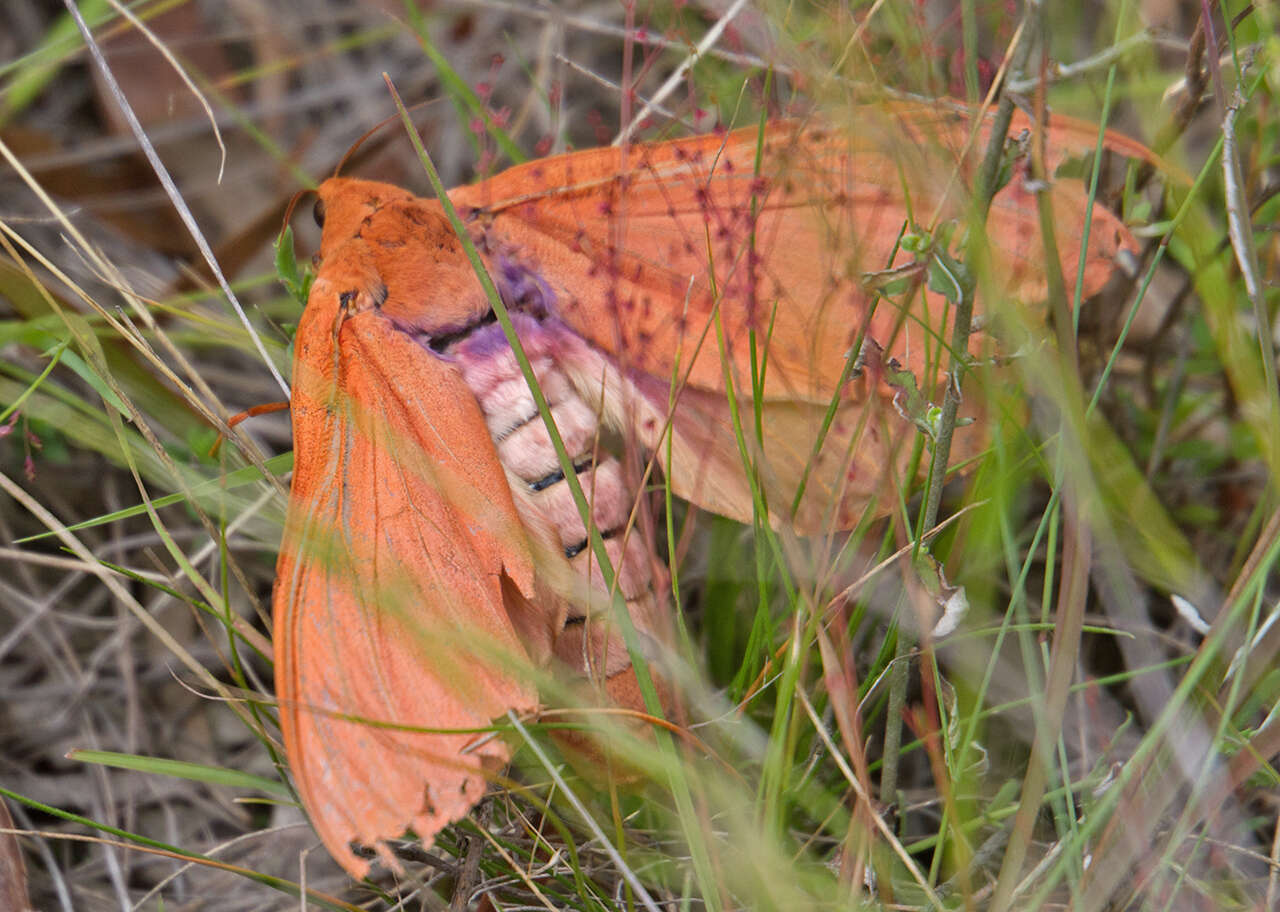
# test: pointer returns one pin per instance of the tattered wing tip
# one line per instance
(336, 830)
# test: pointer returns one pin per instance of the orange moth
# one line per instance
(432, 548)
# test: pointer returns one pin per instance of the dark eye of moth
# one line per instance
(318, 212)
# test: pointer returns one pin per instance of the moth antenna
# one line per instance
(355, 146)
(288, 212)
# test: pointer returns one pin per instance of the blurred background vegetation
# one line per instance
(141, 627)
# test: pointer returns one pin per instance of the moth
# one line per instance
(432, 548)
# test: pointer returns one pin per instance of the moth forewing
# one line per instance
(396, 647)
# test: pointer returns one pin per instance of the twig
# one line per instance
(1059, 72)
(985, 192)
(708, 41)
(1240, 230)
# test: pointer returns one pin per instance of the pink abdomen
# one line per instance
(542, 495)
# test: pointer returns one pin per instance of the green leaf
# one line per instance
(297, 281)
(948, 276)
(181, 769)
(244, 475)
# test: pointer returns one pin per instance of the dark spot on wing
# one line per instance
(440, 343)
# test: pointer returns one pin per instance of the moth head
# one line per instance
(344, 204)
(407, 249)
(432, 288)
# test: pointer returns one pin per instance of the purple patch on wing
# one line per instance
(522, 288)
(489, 340)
